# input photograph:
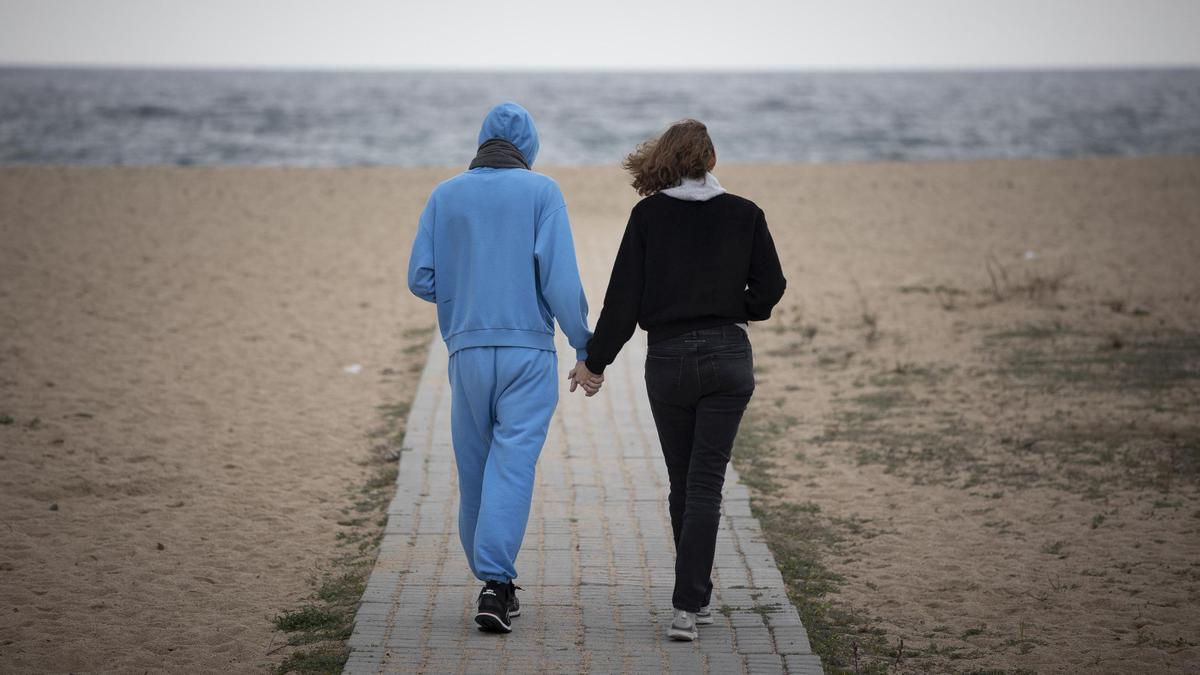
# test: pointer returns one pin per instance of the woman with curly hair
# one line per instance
(695, 264)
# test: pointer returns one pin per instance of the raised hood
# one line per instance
(511, 122)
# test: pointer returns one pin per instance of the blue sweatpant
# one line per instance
(501, 405)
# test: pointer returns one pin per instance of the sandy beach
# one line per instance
(982, 385)
(181, 338)
(978, 404)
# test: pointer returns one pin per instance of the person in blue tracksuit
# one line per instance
(494, 251)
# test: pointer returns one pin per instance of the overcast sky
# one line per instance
(613, 34)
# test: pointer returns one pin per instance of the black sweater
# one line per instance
(687, 265)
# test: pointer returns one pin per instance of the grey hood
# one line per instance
(696, 189)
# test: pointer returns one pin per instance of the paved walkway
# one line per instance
(597, 565)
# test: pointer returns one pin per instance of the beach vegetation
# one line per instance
(899, 418)
(319, 628)
(1033, 282)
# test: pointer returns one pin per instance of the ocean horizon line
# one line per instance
(587, 70)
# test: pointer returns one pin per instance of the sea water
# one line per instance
(94, 116)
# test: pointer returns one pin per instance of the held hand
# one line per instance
(580, 376)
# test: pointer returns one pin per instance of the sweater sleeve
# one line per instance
(765, 283)
(558, 278)
(622, 301)
(420, 262)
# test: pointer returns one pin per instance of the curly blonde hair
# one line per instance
(684, 150)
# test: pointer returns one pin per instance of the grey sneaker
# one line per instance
(683, 626)
(704, 617)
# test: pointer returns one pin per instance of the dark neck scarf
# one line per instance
(497, 153)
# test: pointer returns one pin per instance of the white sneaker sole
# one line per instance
(491, 623)
(681, 634)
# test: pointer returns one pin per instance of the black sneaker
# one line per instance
(514, 605)
(494, 601)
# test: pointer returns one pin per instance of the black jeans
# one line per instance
(699, 385)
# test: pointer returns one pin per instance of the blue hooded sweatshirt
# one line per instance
(494, 251)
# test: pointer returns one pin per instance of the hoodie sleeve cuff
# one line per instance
(581, 355)
(593, 366)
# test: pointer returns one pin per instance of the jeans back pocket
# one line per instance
(664, 375)
(733, 369)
